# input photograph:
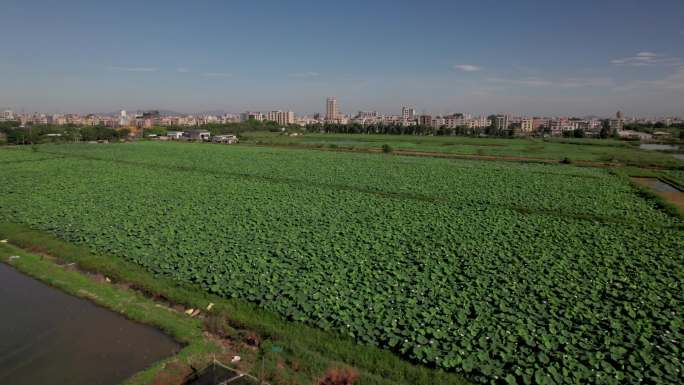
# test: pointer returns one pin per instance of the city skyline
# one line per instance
(530, 58)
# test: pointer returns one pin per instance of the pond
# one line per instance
(657, 185)
(658, 147)
(48, 337)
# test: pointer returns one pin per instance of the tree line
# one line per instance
(604, 131)
(43, 133)
(394, 129)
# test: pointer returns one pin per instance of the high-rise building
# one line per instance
(425, 120)
(281, 117)
(123, 118)
(454, 120)
(526, 125)
(501, 122)
(538, 123)
(7, 115)
(618, 123)
(478, 122)
(249, 115)
(331, 109)
(408, 113)
(367, 114)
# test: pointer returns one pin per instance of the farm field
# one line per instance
(676, 175)
(507, 272)
(595, 150)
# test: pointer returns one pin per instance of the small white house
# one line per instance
(175, 135)
(226, 139)
(198, 135)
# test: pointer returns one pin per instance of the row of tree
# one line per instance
(391, 129)
(42, 133)
(226, 128)
(31, 134)
(397, 129)
(677, 130)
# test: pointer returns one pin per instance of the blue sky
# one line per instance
(522, 57)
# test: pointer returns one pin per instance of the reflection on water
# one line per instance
(48, 337)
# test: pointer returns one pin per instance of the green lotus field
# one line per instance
(507, 272)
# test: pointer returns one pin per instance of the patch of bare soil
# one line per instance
(676, 198)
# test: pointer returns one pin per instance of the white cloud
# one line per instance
(562, 83)
(304, 75)
(646, 58)
(217, 74)
(467, 67)
(132, 69)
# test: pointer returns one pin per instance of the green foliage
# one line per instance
(94, 133)
(9, 125)
(387, 149)
(154, 130)
(46, 133)
(579, 149)
(523, 272)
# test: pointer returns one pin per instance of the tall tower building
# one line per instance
(331, 109)
(408, 113)
(501, 123)
(618, 123)
(123, 118)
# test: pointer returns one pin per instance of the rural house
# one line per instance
(198, 135)
(175, 135)
(226, 139)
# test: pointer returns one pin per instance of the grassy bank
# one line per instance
(307, 354)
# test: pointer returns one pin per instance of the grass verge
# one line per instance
(307, 352)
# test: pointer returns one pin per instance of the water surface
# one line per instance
(48, 337)
(658, 147)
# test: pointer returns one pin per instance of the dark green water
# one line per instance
(51, 338)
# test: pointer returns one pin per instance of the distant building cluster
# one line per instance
(515, 125)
